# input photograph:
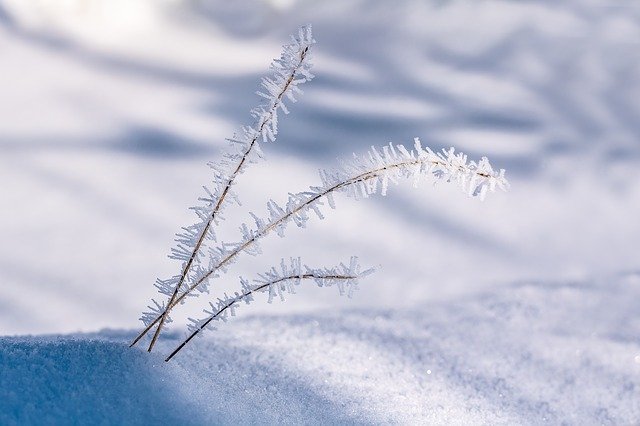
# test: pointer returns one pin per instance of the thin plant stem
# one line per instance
(371, 174)
(246, 294)
(222, 198)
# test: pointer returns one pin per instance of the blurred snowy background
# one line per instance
(519, 310)
(109, 110)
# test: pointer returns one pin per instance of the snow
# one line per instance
(531, 353)
(523, 307)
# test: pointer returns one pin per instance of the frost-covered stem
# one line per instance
(368, 175)
(265, 121)
(359, 177)
(261, 233)
(248, 293)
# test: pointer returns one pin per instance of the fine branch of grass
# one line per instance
(389, 166)
(288, 70)
(345, 277)
(356, 177)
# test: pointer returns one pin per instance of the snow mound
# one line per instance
(90, 380)
(527, 354)
(129, 110)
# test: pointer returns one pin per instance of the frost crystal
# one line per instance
(154, 311)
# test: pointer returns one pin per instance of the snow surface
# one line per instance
(531, 353)
(110, 110)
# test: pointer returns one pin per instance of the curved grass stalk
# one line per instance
(273, 283)
(230, 304)
(359, 177)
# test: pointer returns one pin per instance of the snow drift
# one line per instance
(528, 354)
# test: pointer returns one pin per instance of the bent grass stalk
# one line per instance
(363, 177)
(358, 177)
(246, 294)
